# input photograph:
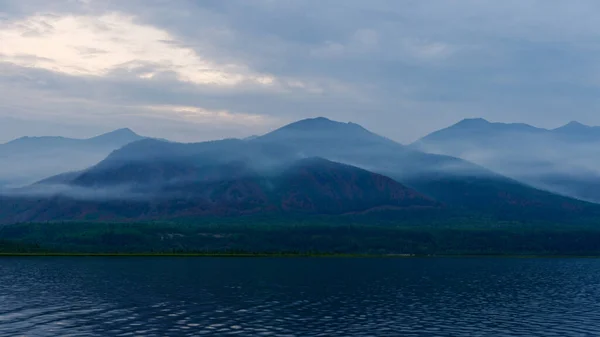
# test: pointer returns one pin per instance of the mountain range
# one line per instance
(29, 159)
(313, 166)
(565, 160)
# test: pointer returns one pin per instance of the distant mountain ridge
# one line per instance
(480, 125)
(28, 159)
(119, 136)
(452, 181)
(563, 160)
(281, 171)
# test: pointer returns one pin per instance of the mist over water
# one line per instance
(299, 297)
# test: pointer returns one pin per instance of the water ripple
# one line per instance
(299, 297)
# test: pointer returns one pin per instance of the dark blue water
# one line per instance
(299, 297)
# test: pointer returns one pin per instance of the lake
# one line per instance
(167, 296)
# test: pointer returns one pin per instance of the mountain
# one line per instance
(565, 160)
(28, 159)
(316, 132)
(452, 181)
(167, 189)
(351, 143)
(359, 171)
(115, 138)
(321, 185)
(576, 131)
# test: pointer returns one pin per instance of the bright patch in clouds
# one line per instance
(97, 45)
(201, 115)
(428, 49)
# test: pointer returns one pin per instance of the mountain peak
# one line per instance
(117, 137)
(312, 122)
(322, 133)
(321, 124)
(578, 130)
(574, 125)
(320, 119)
(485, 125)
(119, 133)
(473, 122)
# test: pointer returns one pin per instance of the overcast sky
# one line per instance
(196, 70)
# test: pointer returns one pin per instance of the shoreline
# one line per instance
(291, 255)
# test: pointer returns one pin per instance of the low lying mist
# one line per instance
(565, 166)
(122, 192)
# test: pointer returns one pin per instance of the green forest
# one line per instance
(319, 235)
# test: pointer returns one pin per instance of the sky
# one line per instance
(198, 70)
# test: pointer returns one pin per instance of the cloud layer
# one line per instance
(190, 70)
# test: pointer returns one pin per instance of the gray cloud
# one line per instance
(401, 68)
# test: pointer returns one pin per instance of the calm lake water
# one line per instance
(89, 296)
